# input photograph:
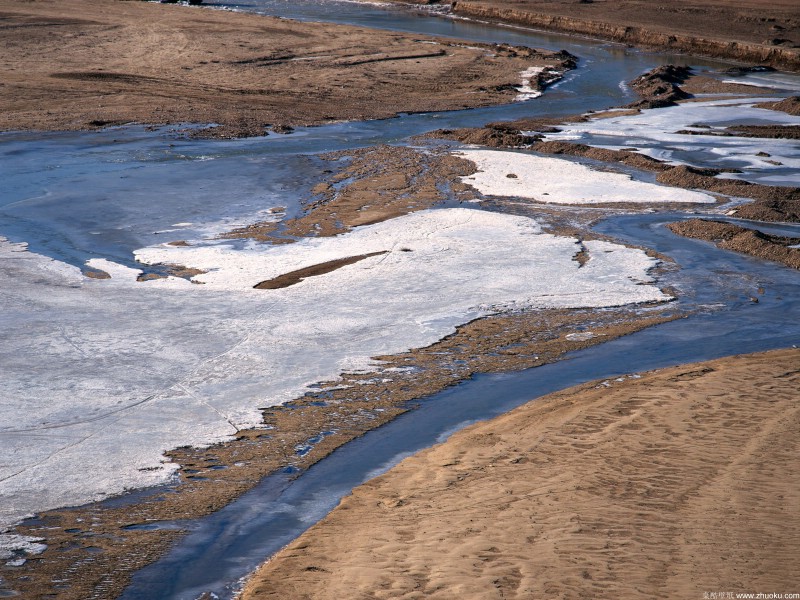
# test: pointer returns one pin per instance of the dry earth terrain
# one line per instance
(680, 482)
(90, 63)
(748, 30)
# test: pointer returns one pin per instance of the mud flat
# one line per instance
(673, 483)
(741, 239)
(94, 63)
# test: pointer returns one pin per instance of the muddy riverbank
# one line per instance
(665, 483)
(96, 63)
(756, 31)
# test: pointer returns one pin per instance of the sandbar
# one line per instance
(672, 483)
(89, 64)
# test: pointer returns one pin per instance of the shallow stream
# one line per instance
(718, 285)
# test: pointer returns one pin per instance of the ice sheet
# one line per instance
(559, 181)
(526, 92)
(654, 133)
(14, 545)
(101, 376)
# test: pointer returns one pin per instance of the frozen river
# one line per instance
(103, 375)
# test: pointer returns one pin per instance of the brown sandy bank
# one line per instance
(92, 550)
(680, 482)
(762, 31)
(741, 239)
(90, 63)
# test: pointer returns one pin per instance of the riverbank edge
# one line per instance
(780, 58)
(231, 73)
(444, 519)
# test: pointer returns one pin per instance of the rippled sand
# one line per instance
(676, 483)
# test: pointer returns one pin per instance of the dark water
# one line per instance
(719, 285)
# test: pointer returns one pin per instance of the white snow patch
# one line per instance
(653, 133)
(757, 84)
(526, 92)
(559, 181)
(11, 545)
(117, 271)
(100, 377)
(774, 80)
(580, 336)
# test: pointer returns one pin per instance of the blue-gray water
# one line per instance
(226, 546)
(74, 196)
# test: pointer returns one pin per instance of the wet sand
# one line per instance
(672, 484)
(86, 64)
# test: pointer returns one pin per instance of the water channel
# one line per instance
(75, 196)
(228, 545)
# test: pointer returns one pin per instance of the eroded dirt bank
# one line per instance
(672, 484)
(741, 239)
(92, 63)
(762, 31)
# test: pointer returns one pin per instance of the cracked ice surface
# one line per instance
(653, 133)
(10, 545)
(101, 376)
(526, 92)
(560, 181)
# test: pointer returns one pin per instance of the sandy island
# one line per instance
(92, 63)
(680, 482)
